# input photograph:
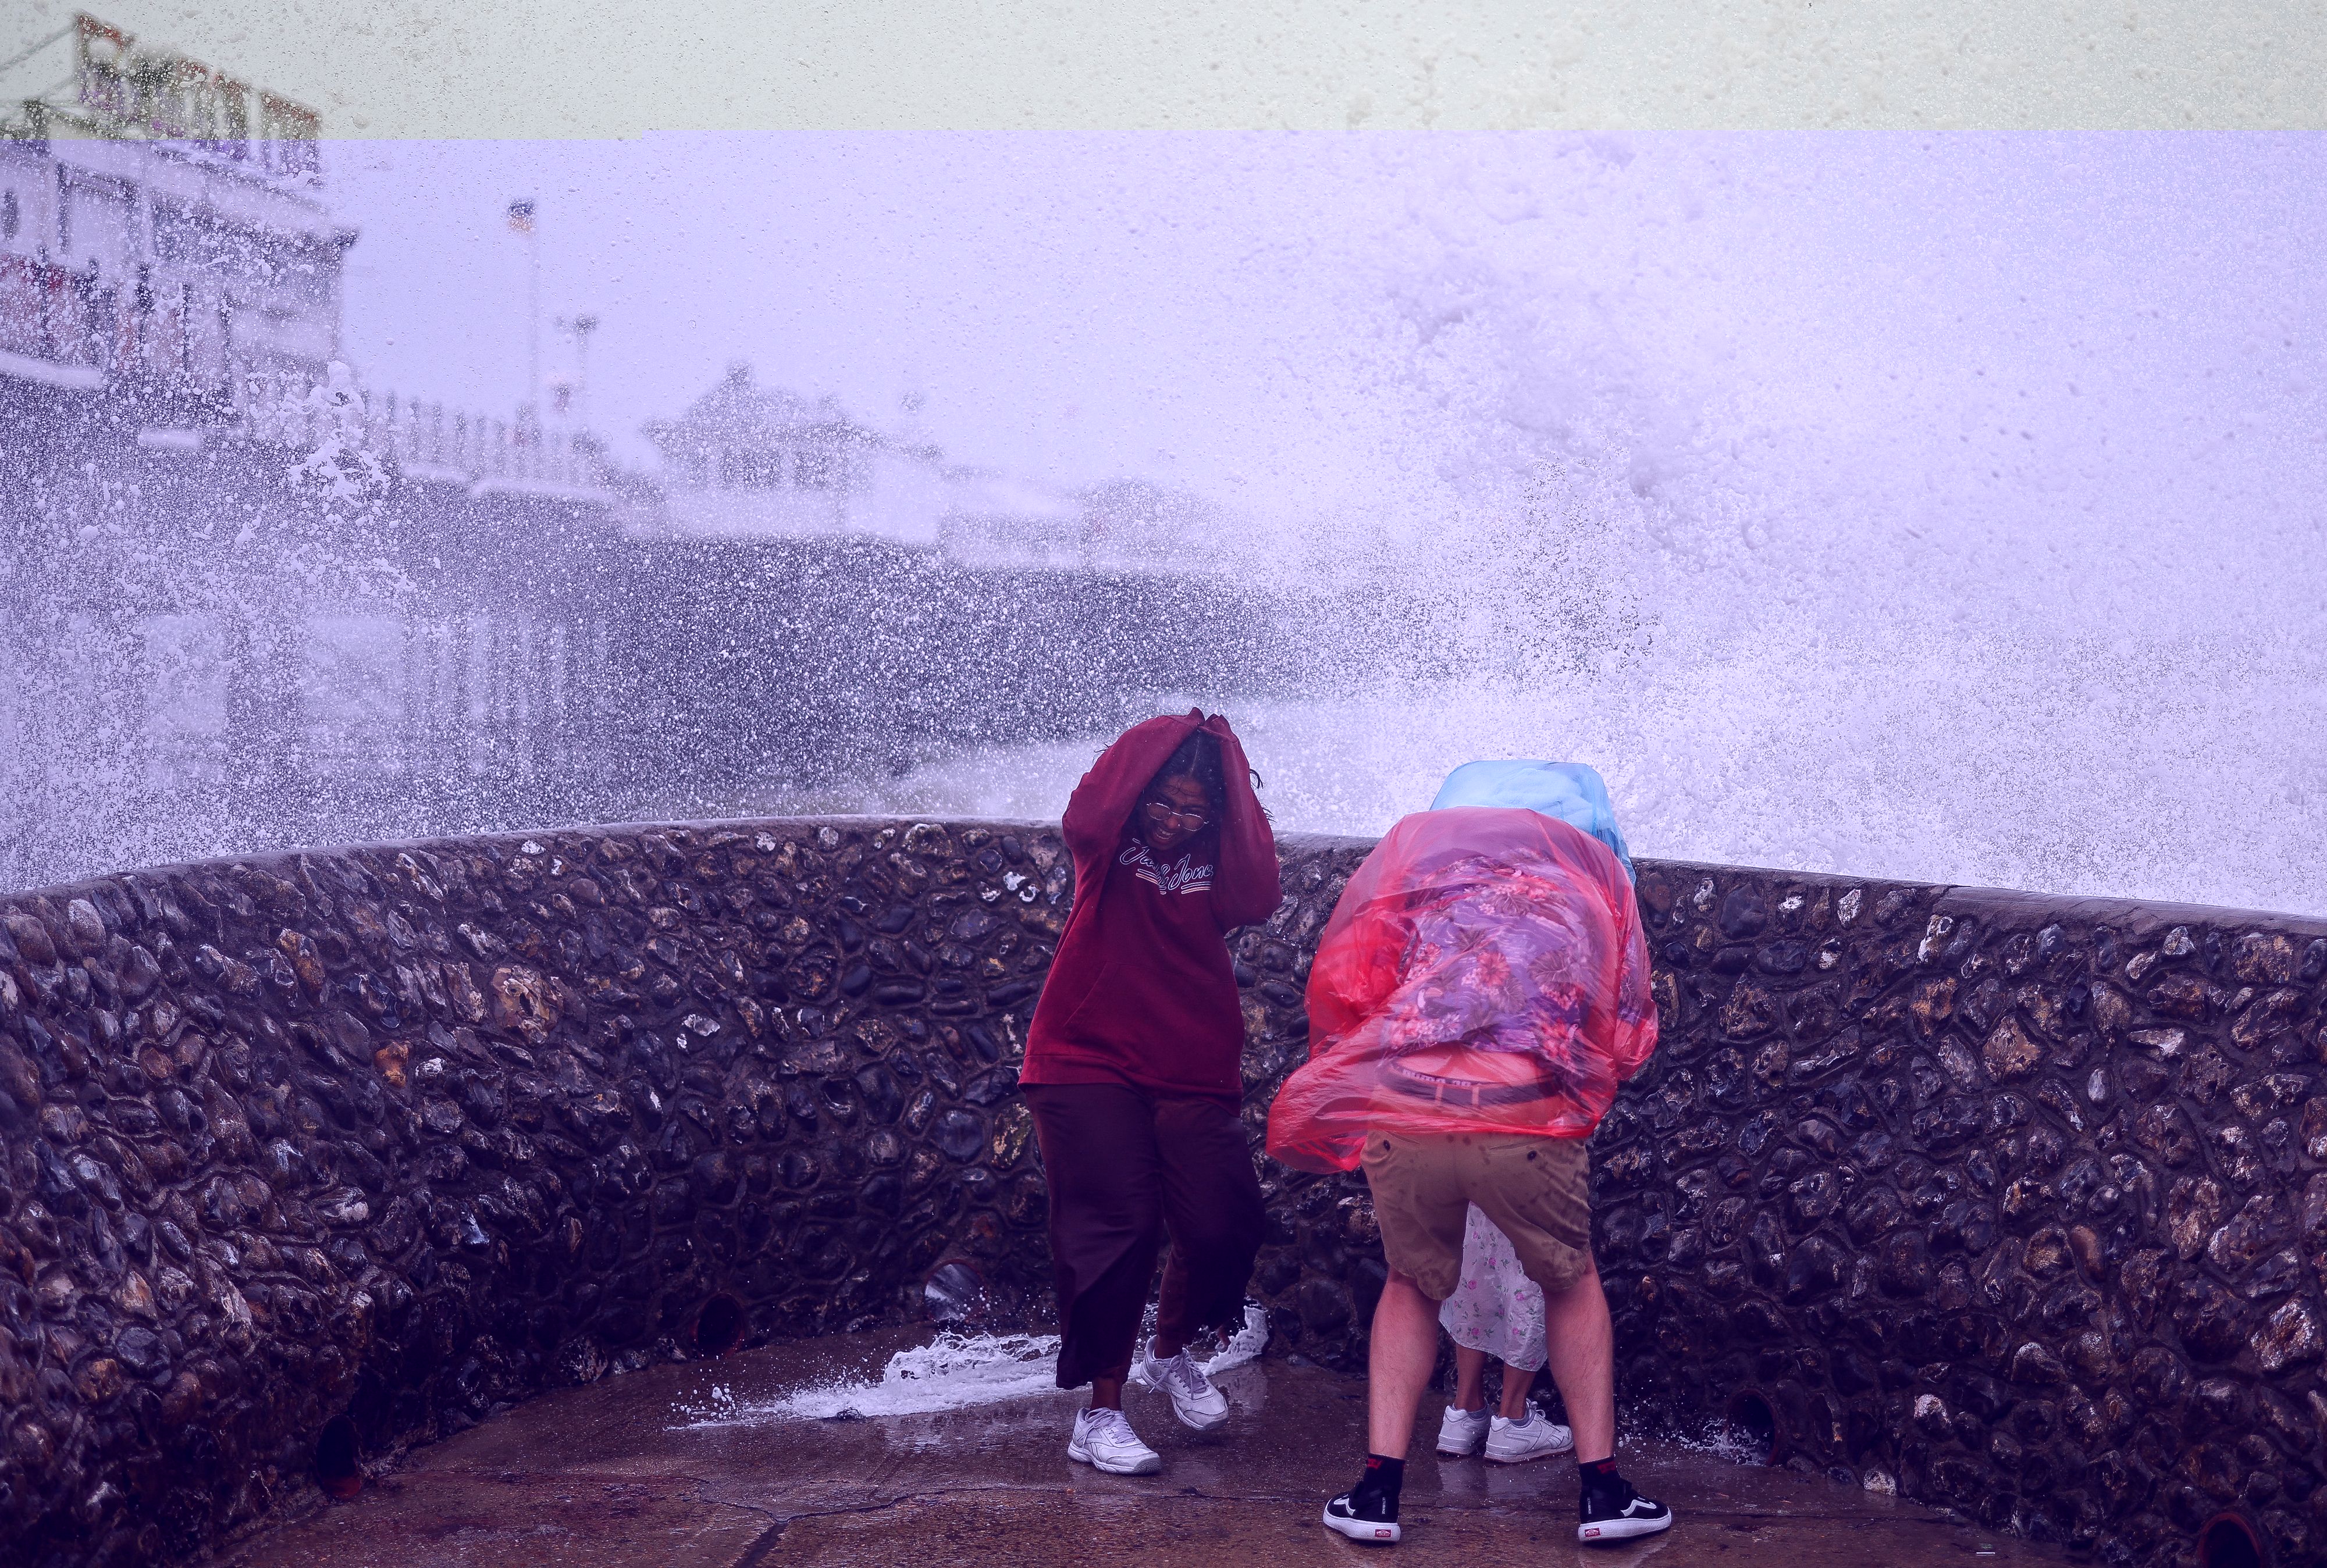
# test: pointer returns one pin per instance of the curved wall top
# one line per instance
(2018, 1204)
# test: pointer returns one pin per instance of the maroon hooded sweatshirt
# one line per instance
(1143, 992)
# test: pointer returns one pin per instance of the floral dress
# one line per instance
(1496, 1308)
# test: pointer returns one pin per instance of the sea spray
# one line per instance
(953, 1371)
(1854, 505)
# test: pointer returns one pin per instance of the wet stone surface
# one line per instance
(2017, 1204)
(617, 1474)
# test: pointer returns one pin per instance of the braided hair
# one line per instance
(1199, 757)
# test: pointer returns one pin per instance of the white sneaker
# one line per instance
(1104, 1441)
(1534, 1437)
(1460, 1431)
(1194, 1400)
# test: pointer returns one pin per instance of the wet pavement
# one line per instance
(672, 1466)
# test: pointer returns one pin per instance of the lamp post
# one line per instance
(520, 221)
(580, 326)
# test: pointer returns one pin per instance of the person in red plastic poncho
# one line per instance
(1133, 1073)
(1479, 994)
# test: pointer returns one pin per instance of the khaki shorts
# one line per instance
(1536, 1190)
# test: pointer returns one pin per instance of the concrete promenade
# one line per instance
(616, 1474)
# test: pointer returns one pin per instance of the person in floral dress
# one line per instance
(1496, 1315)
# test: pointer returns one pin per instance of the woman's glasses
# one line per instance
(1162, 814)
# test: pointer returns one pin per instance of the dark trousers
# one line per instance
(1126, 1168)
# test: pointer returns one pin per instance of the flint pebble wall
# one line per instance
(2016, 1205)
(2011, 1204)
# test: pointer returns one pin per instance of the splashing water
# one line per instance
(1720, 1439)
(1940, 508)
(952, 1371)
(1854, 505)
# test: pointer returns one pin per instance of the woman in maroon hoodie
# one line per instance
(1133, 1070)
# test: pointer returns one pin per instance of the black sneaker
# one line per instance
(1372, 1519)
(1618, 1513)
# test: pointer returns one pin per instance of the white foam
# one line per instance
(952, 1371)
(1722, 1440)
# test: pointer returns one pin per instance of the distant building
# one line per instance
(166, 251)
(751, 460)
(748, 460)
(161, 223)
(165, 248)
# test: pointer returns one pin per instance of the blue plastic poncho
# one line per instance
(1573, 792)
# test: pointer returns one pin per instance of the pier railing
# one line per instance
(425, 440)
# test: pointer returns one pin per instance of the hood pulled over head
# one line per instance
(1573, 792)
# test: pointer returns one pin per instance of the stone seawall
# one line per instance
(2017, 1204)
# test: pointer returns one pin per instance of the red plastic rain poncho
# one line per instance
(1485, 972)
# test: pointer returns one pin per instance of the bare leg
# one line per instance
(1515, 1392)
(1107, 1394)
(1469, 1378)
(1583, 1345)
(1398, 1364)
